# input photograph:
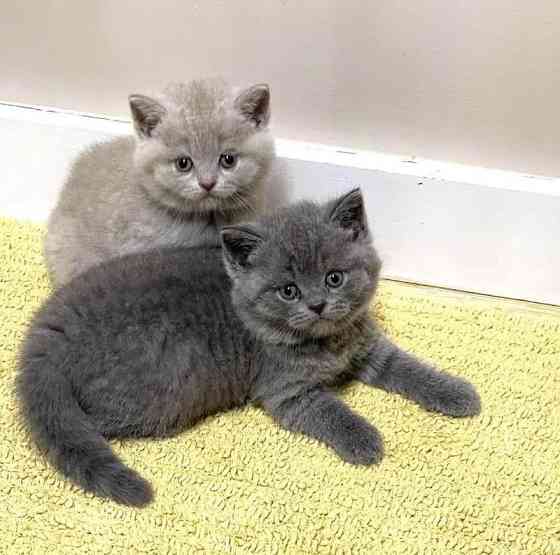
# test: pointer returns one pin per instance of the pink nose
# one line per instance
(207, 185)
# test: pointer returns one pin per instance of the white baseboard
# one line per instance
(474, 229)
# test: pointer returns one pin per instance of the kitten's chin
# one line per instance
(328, 328)
(325, 327)
(317, 330)
(216, 201)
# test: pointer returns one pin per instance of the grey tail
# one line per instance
(63, 430)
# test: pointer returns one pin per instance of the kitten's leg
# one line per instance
(319, 414)
(389, 367)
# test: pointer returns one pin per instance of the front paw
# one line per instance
(452, 396)
(360, 444)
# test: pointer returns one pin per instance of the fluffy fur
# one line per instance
(128, 194)
(147, 344)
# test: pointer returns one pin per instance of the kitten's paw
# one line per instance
(361, 444)
(454, 397)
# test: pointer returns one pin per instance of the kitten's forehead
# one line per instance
(303, 239)
(201, 116)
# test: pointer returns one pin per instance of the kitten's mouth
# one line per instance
(208, 199)
(212, 196)
(327, 325)
(310, 322)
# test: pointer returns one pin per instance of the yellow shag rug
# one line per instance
(239, 484)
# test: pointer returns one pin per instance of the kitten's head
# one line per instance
(203, 146)
(307, 271)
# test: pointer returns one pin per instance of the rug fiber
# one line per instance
(238, 484)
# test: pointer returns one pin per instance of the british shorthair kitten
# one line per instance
(200, 159)
(150, 343)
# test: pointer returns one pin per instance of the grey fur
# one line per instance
(126, 195)
(147, 344)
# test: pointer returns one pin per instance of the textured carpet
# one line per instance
(238, 484)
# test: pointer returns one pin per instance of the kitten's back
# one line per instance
(139, 346)
(97, 174)
(98, 185)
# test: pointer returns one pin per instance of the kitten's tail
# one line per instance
(73, 445)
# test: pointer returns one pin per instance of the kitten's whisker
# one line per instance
(242, 202)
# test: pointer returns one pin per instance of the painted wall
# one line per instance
(476, 82)
(462, 235)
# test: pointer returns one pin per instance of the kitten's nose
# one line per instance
(207, 185)
(317, 307)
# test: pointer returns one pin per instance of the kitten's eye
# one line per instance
(228, 160)
(334, 279)
(184, 164)
(289, 292)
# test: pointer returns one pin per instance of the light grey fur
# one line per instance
(126, 195)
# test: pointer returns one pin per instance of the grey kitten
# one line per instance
(200, 158)
(148, 344)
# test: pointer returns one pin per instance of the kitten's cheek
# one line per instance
(247, 170)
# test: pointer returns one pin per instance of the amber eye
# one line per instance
(184, 164)
(334, 279)
(289, 292)
(228, 160)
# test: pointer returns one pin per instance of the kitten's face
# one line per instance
(204, 148)
(308, 271)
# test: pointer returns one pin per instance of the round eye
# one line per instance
(334, 279)
(228, 160)
(289, 292)
(184, 164)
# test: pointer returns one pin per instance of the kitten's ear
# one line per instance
(349, 213)
(147, 113)
(239, 243)
(254, 104)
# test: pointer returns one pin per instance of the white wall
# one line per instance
(441, 224)
(473, 81)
